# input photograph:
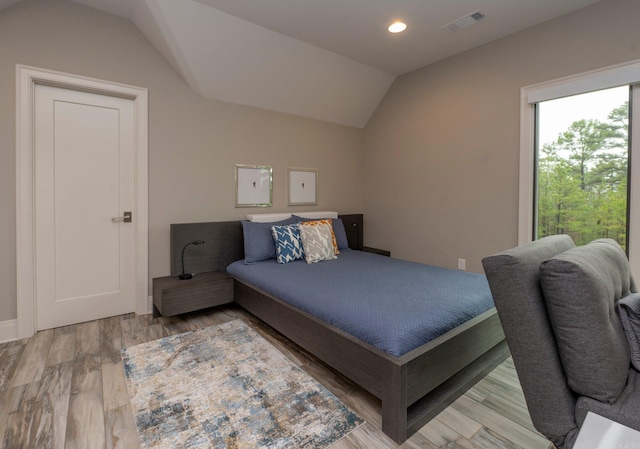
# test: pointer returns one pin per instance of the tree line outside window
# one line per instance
(582, 180)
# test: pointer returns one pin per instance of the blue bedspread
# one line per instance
(392, 304)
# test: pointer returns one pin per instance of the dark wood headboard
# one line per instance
(224, 243)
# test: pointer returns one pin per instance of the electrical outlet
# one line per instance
(462, 264)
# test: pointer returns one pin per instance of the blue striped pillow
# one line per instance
(288, 243)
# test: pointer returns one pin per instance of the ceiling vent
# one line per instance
(466, 21)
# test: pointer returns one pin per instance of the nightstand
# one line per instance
(172, 296)
(382, 252)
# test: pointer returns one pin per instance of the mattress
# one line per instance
(392, 304)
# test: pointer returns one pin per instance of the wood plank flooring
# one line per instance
(65, 388)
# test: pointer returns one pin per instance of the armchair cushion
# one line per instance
(629, 311)
(624, 410)
(581, 286)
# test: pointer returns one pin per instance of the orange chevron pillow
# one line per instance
(327, 221)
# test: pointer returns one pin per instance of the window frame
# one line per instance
(613, 76)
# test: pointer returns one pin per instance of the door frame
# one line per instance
(26, 79)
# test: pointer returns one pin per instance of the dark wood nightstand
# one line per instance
(172, 296)
(382, 252)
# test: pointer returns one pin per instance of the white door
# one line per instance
(84, 181)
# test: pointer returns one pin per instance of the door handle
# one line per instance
(125, 219)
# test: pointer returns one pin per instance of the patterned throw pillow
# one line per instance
(288, 244)
(326, 221)
(317, 242)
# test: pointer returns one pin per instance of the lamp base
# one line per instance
(185, 276)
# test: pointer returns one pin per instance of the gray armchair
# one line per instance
(556, 303)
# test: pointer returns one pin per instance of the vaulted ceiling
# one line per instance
(331, 60)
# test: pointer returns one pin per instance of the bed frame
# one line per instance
(413, 388)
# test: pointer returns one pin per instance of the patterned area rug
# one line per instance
(226, 387)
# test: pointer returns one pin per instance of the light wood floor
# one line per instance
(65, 388)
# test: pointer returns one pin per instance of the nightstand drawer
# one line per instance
(382, 252)
(172, 296)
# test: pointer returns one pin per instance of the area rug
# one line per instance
(225, 386)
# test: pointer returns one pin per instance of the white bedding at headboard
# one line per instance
(266, 218)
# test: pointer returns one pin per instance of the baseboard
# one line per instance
(8, 330)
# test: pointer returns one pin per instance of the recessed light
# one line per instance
(397, 27)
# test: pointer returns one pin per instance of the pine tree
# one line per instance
(582, 180)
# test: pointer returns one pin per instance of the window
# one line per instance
(569, 184)
(582, 153)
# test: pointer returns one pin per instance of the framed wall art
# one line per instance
(303, 186)
(254, 186)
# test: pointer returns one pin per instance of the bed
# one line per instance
(414, 375)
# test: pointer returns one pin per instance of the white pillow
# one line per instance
(317, 241)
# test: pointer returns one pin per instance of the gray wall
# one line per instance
(440, 154)
(193, 143)
(442, 149)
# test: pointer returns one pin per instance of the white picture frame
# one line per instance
(254, 186)
(303, 186)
